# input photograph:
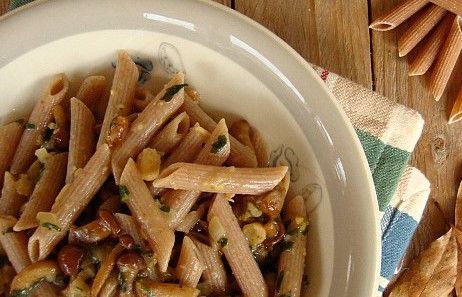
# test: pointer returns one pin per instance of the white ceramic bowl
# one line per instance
(241, 69)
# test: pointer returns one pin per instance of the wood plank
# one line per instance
(437, 153)
(336, 38)
(4, 6)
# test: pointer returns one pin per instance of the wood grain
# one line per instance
(334, 35)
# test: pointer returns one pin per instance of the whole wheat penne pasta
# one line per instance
(292, 259)
(397, 15)
(427, 54)
(149, 122)
(190, 265)
(454, 6)
(214, 179)
(456, 112)
(10, 200)
(105, 270)
(70, 203)
(82, 137)
(241, 131)
(169, 137)
(110, 287)
(235, 247)
(122, 92)
(40, 117)
(191, 219)
(10, 135)
(142, 98)
(259, 146)
(240, 155)
(92, 92)
(214, 152)
(151, 219)
(128, 224)
(45, 191)
(420, 28)
(447, 59)
(214, 274)
(189, 146)
(147, 288)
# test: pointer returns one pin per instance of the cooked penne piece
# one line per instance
(110, 287)
(454, 6)
(292, 259)
(214, 179)
(214, 274)
(142, 98)
(128, 224)
(190, 265)
(71, 201)
(147, 288)
(240, 156)
(122, 92)
(149, 122)
(92, 93)
(152, 220)
(169, 137)
(271, 203)
(105, 270)
(10, 200)
(10, 135)
(447, 59)
(39, 119)
(214, 152)
(189, 147)
(427, 54)
(235, 247)
(420, 28)
(259, 146)
(456, 112)
(241, 131)
(397, 15)
(45, 191)
(191, 219)
(82, 137)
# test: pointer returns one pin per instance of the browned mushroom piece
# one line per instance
(129, 265)
(70, 258)
(109, 221)
(90, 233)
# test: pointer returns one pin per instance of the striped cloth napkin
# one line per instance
(388, 133)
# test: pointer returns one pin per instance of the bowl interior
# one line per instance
(241, 72)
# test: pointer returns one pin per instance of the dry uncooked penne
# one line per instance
(92, 93)
(259, 146)
(292, 259)
(397, 15)
(214, 274)
(236, 249)
(171, 134)
(82, 137)
(214, 179)
(148, 122)
(240, 155)
(447, 59)
(10, 135)
(151, 219)
(420, 28)
(105, 270)
(190, 265)
(426, 55)
(70, 203)
(122, 92)
(45, 191)
(40, 117)
(10, 200)
(189, 147)
(452, 5)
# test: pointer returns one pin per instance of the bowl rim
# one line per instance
(363, 168)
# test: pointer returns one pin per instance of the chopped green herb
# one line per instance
(51, 226)
(123, 192)
(223, 241)
(47, 134)
(29, 126)
(122, 282)
(287, 245)
(148, 291)
(170, 92)
(3, 260)
(165, 208)
(219, 144)
(279, 280)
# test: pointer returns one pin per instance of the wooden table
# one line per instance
(335, 35)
